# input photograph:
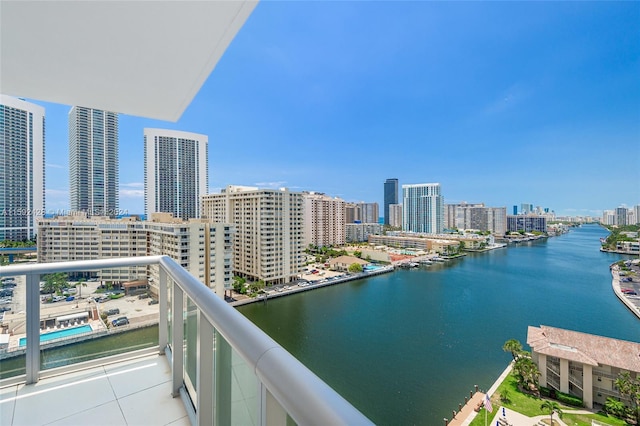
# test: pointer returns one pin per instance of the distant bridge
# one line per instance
(12, 251)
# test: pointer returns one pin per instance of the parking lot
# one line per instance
(137, 310)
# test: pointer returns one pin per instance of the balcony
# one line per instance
(211, 366)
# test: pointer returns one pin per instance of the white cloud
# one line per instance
(131, 193)
(278, 184)
(133, 185)
(55, 166)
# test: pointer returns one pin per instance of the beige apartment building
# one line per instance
(268, 242)
(323, 220)
(202, 248)
(581, 364)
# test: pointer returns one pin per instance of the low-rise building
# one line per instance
(342, 263)
(526, 223)
(581, 364)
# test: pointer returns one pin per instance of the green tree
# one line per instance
(630, 388)
(54, 282)
(513, 346)
(357, 254)
(526, 372)
(614, 407)
(355, 268)
(551, 407)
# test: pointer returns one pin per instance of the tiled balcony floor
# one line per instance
(135, 392)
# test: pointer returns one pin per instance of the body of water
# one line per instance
(406, 347)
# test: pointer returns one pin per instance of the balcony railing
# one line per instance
(222, 364)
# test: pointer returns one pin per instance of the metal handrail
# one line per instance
(303, 395)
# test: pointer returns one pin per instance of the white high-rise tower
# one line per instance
(93, 161)
(422, 208)
(176, 172)
(21, 168)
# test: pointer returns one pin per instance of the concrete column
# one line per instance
(587, 385)
(542, 365)
(564, 375)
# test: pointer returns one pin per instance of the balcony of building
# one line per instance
(210, 364)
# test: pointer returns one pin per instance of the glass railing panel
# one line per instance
(190, 347)
(80, 318)
(12, 326)
(236, 387)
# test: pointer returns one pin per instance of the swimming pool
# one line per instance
(371, 267)
(66, 332)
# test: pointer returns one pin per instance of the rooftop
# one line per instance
(584, 348)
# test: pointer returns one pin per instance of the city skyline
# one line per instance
(497, 102)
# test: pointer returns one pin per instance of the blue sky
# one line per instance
(500, 102)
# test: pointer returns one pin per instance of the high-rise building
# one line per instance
(476, 216)
(369, 212)
(526, 223)
(395, 215)
(608, 217)
(269, 237)
(176, 172)
(93, 161)
(22, 197)
(359, 232)
(515, 210)
(390, 197)
(323, 220)
(422, 208)
(621, 216)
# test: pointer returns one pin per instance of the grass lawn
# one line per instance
(529, 405)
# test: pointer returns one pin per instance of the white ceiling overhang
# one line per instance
(144, 58)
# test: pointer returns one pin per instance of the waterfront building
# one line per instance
(359, 232)
(477, 217)
(442, 245)
(22, 195)
(608, 217)
(390, 198)
(395, 215)
(620, 216)
(582, 364)
(93, 161)
(323, 220)
(269, 238)
(423, 208)
(175, 172)
(202, 248)
(528, 223)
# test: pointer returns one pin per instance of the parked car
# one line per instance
(114, 311)
(143, 296)
(120, 321)
(70, 298)
(153, 302)
(58, 298)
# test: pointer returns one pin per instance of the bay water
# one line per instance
(407, 347)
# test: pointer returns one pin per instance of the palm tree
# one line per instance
(551, 407)
(527, 372)
(513, 346)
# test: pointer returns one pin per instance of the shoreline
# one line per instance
(312, 286)
(615, 285)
